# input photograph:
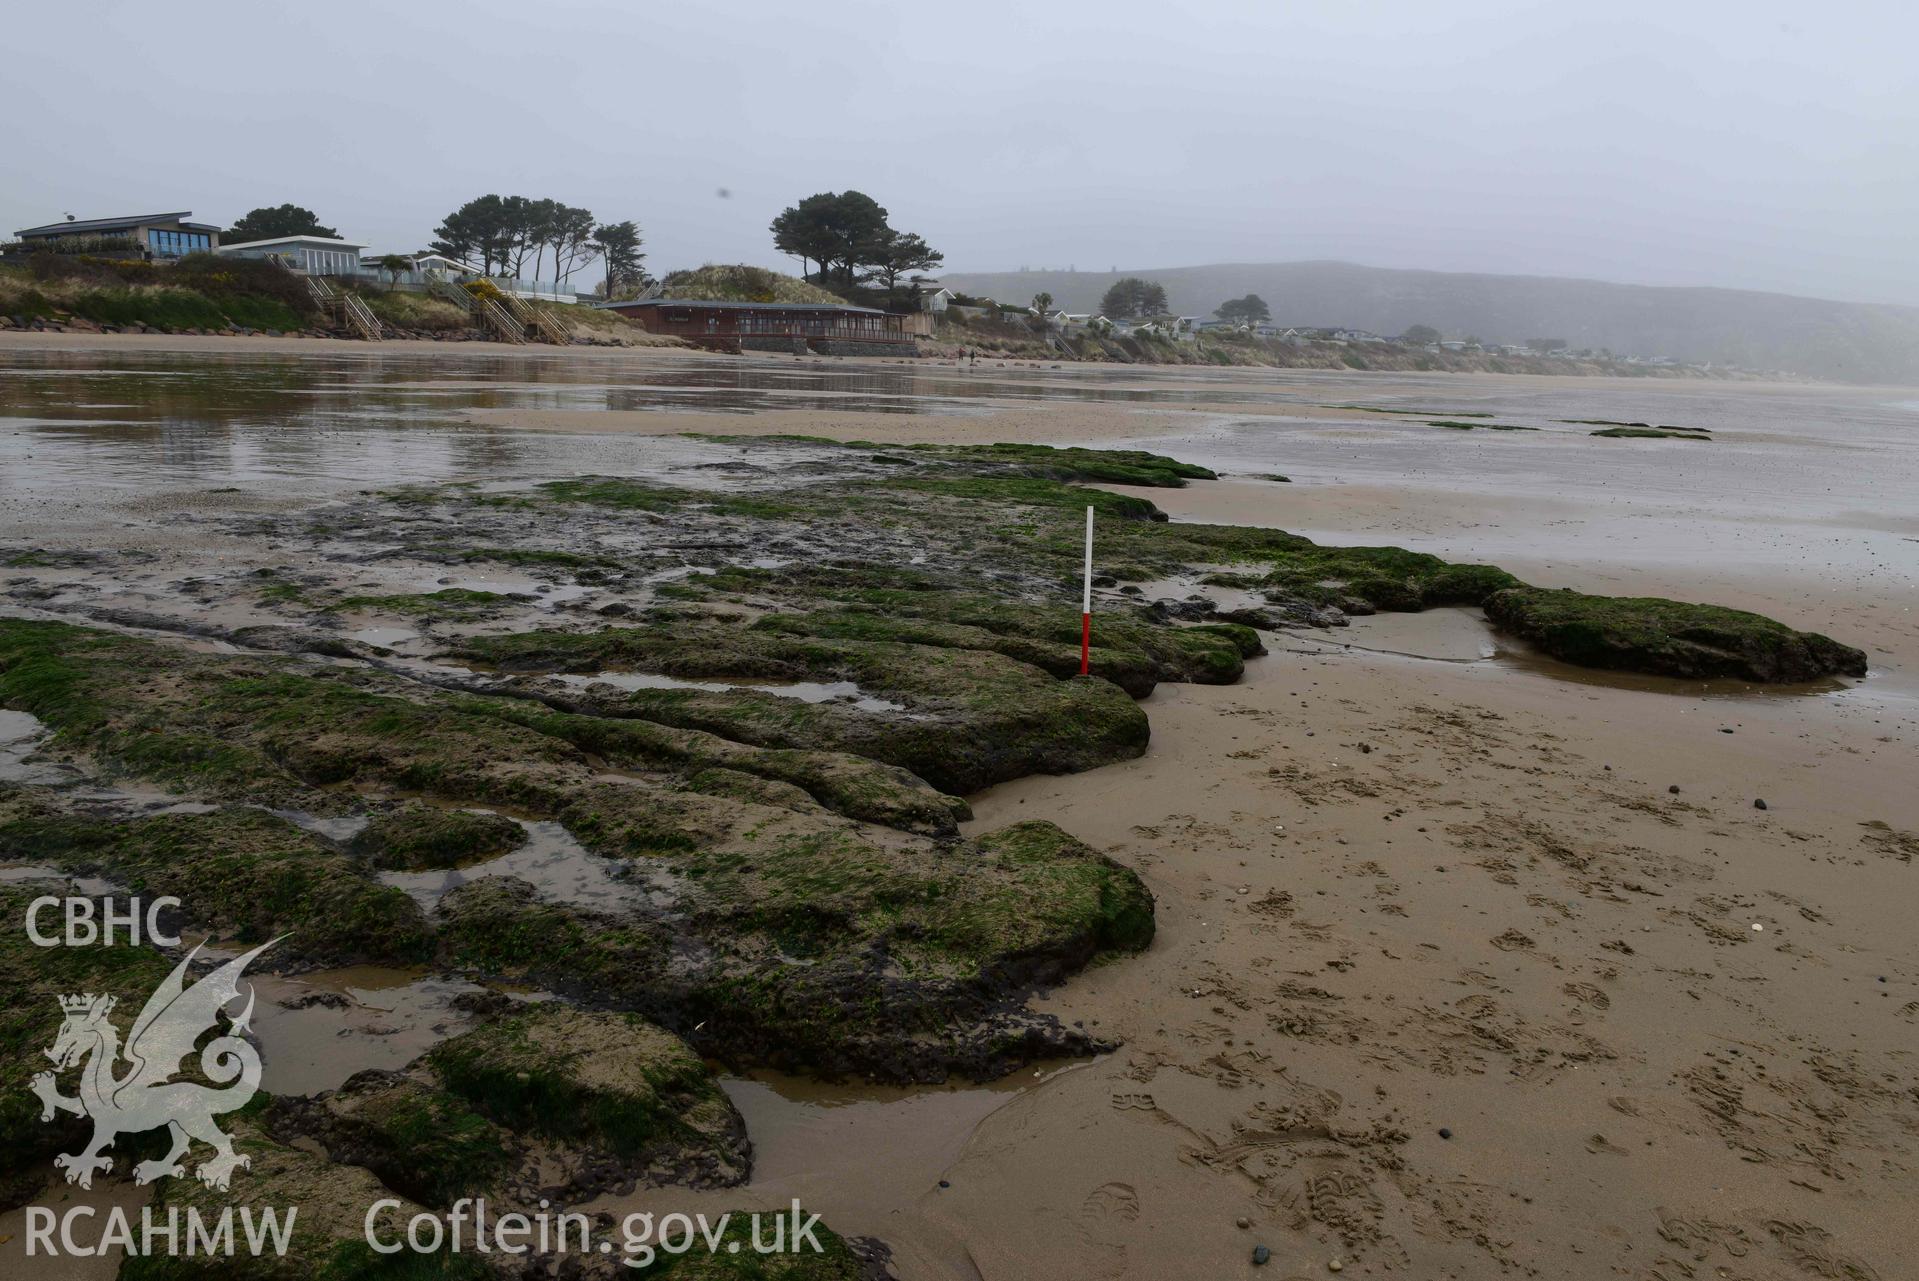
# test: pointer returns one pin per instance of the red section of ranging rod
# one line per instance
(1086, 603)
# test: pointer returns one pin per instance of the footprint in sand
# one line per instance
(1587, 994)
(1344, 1200)
(1810, 1248)
(1103, 1219)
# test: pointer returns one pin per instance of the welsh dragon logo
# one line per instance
(143, 1097)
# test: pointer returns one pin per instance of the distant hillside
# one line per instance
(1855, 342)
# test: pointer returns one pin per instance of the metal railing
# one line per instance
(361, 317)
(508, 327)
(541, 322)
(344, 307)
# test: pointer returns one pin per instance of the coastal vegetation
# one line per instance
(1132, 298)
(501, 235)
(1250, 310)
(847, 235)
(741, 283)
(276, 222)
(200, 292)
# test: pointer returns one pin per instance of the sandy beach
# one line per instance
(1467, 964)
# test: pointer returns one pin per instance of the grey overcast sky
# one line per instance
(1748, 144)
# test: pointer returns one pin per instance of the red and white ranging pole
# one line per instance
(1086, 603)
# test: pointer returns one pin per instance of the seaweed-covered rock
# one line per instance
(610, 1083)
(240, 872)
(856, 786)
(422, 1142)
(327, 1241)
(972, 717)
(817, 950)
(824, 1255)
(273, 731)
(734, 882)
(1668, 638)
(415, 838)
(546, 1102)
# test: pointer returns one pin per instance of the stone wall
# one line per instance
(841, 347)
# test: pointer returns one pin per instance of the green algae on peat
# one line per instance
(940, 939)
(543, 1100)
(414, 838)
(1654, 433)
(1666, 638)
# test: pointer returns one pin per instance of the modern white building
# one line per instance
(440, 263)
(934, 297)
(314, 255)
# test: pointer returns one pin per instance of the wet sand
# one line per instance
(1405, 887)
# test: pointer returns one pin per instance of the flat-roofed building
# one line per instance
(773, 326)
(159, 236)
(314, 255)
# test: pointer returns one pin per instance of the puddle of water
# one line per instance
(863, 1156)
(364, 1017)
(1452, 634)
(879, 1142)
(805, 691)
(343, 828)
(384, 637)
(560, 869)
(20, 736)
(91, 887)
(1183, 588)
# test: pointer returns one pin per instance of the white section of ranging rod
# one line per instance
(1086, 604)
(1086, 590)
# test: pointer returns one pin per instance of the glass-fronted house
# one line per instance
(162, 243)
(160, 237)
(314, 255)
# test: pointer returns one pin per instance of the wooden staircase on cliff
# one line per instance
(542, 323)
(344, 308)
(508, 317)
